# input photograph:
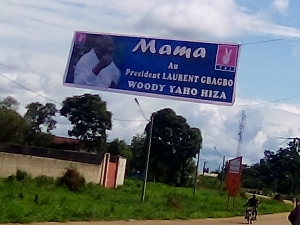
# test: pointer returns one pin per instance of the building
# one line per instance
(62, 140)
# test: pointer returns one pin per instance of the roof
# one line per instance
(60, 140)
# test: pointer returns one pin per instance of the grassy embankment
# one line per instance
(19, 202)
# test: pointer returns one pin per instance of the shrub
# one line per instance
(278, 197)
(72, 179)
(173, 202)
(21, 175)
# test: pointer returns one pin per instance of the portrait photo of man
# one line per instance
(96, 67)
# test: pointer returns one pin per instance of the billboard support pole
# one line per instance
(147, 160)
(233, 201)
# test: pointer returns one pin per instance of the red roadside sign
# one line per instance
(233, 176)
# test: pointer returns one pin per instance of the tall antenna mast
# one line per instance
(240, 134)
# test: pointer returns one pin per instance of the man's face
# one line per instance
(104, 47)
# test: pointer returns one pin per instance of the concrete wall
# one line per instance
(103, 169)
(37, 166)
(82, 157)
(113, 171)
(121, 171)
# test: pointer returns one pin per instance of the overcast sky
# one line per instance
(35, 39)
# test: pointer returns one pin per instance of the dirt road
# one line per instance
(275, 219)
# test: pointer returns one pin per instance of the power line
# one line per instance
(270, 40)
(204, 153)
(56, 101)
(270, 102)
(249, 43)
(28, 89)
(44, 91)
(127, 120)
(59, 26)
(245, 105)
(15, 67)
(217, 151)
(38, 20)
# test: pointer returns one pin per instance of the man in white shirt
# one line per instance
(96, 67)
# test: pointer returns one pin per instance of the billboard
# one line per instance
(233, 176)
(155, 67)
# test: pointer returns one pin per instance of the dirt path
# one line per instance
(274, 219)
(268, 197)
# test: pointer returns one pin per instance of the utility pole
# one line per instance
(196, 172)
(203, 172)
(147, 160)
(148, 150)
(204, 167)
(223, 164)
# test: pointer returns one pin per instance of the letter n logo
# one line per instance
(226, 58)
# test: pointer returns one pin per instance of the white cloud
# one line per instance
(219, 18)
(281, 6)
(37, 51)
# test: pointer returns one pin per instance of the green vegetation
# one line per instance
(175, 144)
(24, 199)
(277, 172)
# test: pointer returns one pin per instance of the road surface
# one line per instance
(274, 219)
(268, 197)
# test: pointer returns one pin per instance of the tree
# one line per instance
(10, 103)
(138, 149)
(39, 115)
(277, 172)
(12, 126)
(90, 119)
(119, 147)
(174, 147)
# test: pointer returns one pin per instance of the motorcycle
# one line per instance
(250, 215)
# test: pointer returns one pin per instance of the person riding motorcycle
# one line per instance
(252, 202)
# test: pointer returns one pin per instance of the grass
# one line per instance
(96, 203)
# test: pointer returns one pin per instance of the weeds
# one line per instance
(42, 200)
(44, 180)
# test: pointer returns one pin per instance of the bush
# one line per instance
(278, 197)
(21, 175)
(72, 179)
(173, 202)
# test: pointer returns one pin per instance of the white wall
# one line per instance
(36, 166)
(121, 171)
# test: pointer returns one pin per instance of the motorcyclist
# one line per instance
(252, 202)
